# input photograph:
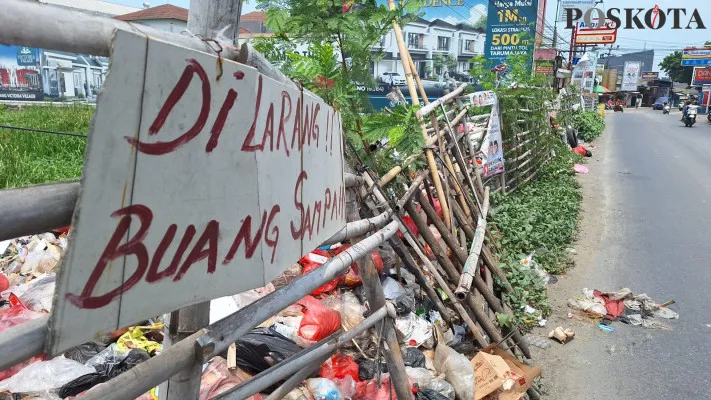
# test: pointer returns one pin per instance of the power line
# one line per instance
(42, 131)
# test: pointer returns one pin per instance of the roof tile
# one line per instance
(165, 11)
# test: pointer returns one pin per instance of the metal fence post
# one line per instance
(206, 18)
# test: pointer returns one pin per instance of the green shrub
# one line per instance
(589, 125)
(542, 216)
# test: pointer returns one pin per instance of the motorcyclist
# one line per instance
(685, 109)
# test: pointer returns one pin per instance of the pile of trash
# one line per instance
(623, 305)
(439, 356)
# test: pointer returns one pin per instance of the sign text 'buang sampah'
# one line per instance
(636, 18)
(212, 182)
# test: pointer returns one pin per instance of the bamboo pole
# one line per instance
(406, 62)
(461, 255)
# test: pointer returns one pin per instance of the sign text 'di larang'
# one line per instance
(203, 178)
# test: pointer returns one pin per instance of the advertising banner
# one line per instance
(584, 72)
(545, 67)
(585, 36)
(582, 5)
(650, 76)
(511, 30)
(630, 76)
(702, 76)
(693, 57)
(491, 155)
(20, 78)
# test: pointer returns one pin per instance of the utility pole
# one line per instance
(206, 18)
(555, 25)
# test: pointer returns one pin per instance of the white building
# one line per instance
(427, 40)
(69, 75)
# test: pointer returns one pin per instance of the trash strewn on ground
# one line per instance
(440, 355)
(622, 305)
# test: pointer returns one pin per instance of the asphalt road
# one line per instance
(649, 229)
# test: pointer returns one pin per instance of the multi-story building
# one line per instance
(428, 42)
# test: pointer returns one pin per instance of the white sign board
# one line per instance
(584, 72)
(482, 99)
(491, 155)
(630, 76)
(582, 5)
(203, 178)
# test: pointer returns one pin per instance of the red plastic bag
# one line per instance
(12, 316)
(352, 277)
(338, 367)
(314, 260)
(318, 321)
(581, 150)
(369, 390)
(4, 283)
(410, 224)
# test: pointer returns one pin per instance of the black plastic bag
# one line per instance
(429, 394)
(84, 352)
(112, 368)
(367, 369)
(263, 347)
(414, 358)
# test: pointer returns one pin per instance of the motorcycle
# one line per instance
(690, 117)
(708, 116)
(666, 109)
(619, 108)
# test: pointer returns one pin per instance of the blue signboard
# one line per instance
(27, 56)
(696, 57)
(511, 30)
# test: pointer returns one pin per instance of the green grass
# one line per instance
(541, 216)
(28, 158)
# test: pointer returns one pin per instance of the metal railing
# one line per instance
(40, 208)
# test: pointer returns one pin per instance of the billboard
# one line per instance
(583, 5)
(585, 36)
(545, 67)
(701, 76)
(584, 72)
(695, 57)
(510, 30)
(20, 78)
(650, 76)
(630, 76)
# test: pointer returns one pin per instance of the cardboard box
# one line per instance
(514, 381)
(489, 374)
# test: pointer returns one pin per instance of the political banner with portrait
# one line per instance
(491, 154)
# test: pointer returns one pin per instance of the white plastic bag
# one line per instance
(45, 375)
(323, 389)
(416, 330)
(457, 370)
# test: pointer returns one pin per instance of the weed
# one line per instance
(31, 157)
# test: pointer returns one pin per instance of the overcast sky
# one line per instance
(663, 41)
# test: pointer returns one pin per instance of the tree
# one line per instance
(481, 23)
(672, 66)
(438, 63)
(451, 62)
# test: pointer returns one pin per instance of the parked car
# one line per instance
(392, 78)
(659, 104)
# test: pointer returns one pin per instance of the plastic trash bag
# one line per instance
(300, 393)
(105, 372)
(414, 358)
(319, 322)
(17, 315)
(351, 313)
(18, 367)
(217, 378)
(442, 387)
(84, 352)
(39, 294)
(415, 330)
(136, 338)
(45, 375)
(420, 376)
(370, 390)
(404, 301)
(339, 366)
(261, 348)
(314, 260)
(429, 394)
(346, 386)
(107, 358)
(457, 370)
(323, 389)
(367, 368)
